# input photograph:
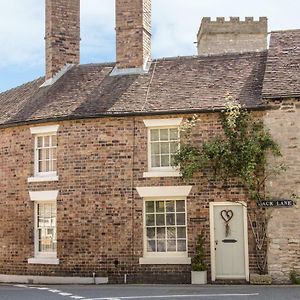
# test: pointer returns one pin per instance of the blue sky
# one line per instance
(175, 24)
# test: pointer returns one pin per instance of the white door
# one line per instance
(229, 241)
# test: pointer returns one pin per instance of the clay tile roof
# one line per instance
(182, 84)
(282, 78)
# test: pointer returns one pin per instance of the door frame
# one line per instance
(212, 236)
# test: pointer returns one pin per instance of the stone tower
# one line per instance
(233, 36)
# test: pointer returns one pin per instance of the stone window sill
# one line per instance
(42, 179)
(165, 260)
(43, 260)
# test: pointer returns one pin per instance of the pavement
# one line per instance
(155, 292)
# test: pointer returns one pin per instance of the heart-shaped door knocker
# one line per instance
(227, 215)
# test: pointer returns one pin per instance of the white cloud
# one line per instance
(21, 33)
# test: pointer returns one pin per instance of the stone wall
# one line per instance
(99, 212)
(283, 120)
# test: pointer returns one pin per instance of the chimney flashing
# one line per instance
(58, 75)
(131, 71)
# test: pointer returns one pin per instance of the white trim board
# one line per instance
(44, 129)
(43, 260)
(212, 237)
(44, 196)
(164, 191)
(162, 122)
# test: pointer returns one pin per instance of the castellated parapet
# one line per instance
(233, 36)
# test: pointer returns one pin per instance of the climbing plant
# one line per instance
(238, 152)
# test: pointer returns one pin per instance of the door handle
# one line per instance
(216, 242)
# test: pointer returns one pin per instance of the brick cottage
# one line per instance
(88, 191)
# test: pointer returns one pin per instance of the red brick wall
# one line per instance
(99, 213)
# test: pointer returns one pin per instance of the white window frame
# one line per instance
(38, 132)
(160, 124)
(164, 193)
(47, 258)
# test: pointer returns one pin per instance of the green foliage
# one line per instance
(240, 151)
(198, 263)
(295, 278)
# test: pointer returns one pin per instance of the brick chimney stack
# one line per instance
(62, 35)
(232, 36)
(133, 33)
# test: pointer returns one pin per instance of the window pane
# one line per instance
(181, 232)
(164, 134)
(180, 219)
(165, 160)
(173, 147)
(149, 207)
(53, 153)
(154, 134)
(171, 245)
(47, 210)
(46, 141)
(160, 206)
(47, 153)
(40, 142)
(47, 168)
(171, 233)
(41, 154)
(54, 167)
(151, 246)
(170, 206)
(161, 246)
(149, 220)
(174, 134)
(165, 148)
(170, 219)
(160, 219)
(53, 141)
(181, 245)
(180, 206)
(154, 148)
(150, 233)
(155, 161)
(161, 233)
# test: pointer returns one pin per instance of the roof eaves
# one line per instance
(261, 107)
